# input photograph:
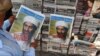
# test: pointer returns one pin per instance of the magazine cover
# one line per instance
(26, 26)
(60, 28)
(96, 9)
(84, 7)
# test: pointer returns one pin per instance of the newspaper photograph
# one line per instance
(60, 28)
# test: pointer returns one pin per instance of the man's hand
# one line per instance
(34, 44)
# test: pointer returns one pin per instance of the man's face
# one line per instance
(27, 28)
(61, 29)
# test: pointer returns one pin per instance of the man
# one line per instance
(62, 29)
(8, 46)
(61, 32)
(23, 38)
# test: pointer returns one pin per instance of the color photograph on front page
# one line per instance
(60, 28)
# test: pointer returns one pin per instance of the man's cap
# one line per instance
(61, 23)
(31, 20)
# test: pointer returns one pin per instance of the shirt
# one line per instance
(6, 24)
(11, 48)
(22, 40)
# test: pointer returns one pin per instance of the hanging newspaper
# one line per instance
(26, 26)
(60, 28)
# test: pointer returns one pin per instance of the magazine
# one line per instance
(60, 28)
(26, 26)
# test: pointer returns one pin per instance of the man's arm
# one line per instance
(30, 52)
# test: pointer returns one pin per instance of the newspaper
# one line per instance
(60, 27)
(26, 26)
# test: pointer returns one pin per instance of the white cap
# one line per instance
(31, 20)
(61, 23)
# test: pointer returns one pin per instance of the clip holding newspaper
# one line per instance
(60, 28)
(27, 26)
